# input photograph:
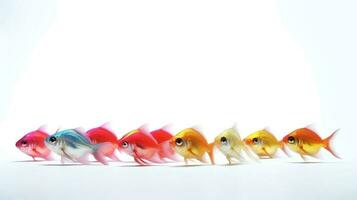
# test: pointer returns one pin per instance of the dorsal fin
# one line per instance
(268, 129)
(80, 130)
(107, 126)
(145, 130)
(311, 127)
(234, 126)
(197, 128)
(42, 128)
(57, 130)
(166, 127)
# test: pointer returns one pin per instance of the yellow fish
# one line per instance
(263, 143)
(191, 144)
(231, 145)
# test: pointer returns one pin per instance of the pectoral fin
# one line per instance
(305, 152)
(266, 152)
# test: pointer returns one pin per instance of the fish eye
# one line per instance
(291, 140)
(255, 140)
(224, 140)
(179, 142)
(125, 144)
(23, 143)
(52, 139)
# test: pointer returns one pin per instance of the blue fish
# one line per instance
(72, 145)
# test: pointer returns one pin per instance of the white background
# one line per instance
(206, 64)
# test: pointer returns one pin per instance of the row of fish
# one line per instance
(160, 146)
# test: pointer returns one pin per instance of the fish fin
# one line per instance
(107, 126)
(49, 158)
(114, 157)
(58, 129)
(197, 128)
(283, 148)
(268, 129)
(156, 159)
(65, 155)
(305, 152)
(234, 126)
(35, 150)
(43, 128)
(326, 143)
(144, 129)
(62, 159)
(138, 159)
(211, 152)
(189, 144)
(302, 156)
(267, 153)
(100, 150)
(190, 150)
(166, 127)
(174, 158)
(83, 159)
(311, 127)
(229, 160)
(249, 153)
(239, 157)
(80, 130)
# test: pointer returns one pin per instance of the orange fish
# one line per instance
(305, 141)
(191, 144)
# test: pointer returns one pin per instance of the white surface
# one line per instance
(270, 179)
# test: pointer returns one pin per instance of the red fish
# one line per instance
(163, 138)
(104, 134)
(140, 144)
(33, 144)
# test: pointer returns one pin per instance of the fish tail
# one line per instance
(327, 143)
(211, 152)
(282, 147)
(100, 150)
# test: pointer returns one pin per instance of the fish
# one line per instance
(141, 145)
(163, 137)
(33, 144)
(231, 145)
(263, 143)
(73, 145)
(191, 144)
(104, 134)
(306, 141)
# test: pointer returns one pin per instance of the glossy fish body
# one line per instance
(305, 141)
(263, 143)
(141, 145)
(103, 134)
(191, 144)
(72, 145)
(230, 144)
(33, 144)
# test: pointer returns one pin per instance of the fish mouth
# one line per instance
(247, 142)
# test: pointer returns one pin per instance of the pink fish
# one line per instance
(33, 144)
